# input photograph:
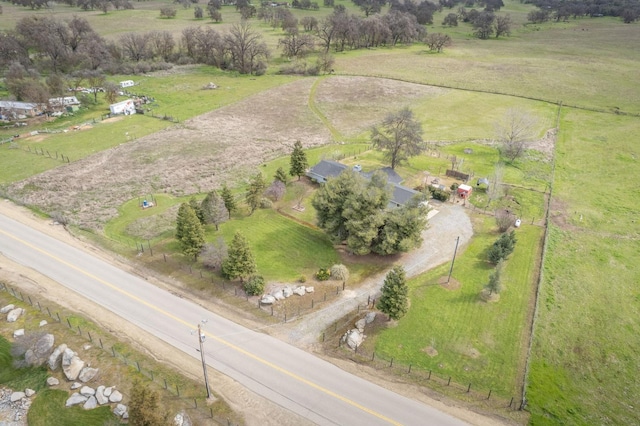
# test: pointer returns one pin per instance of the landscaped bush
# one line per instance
(302, 279)
(439, 194)
(323, 274)
(254, 285)
(266, 203)
(339, 272)
(503, 247)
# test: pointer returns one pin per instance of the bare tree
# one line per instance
(503, 25)
(493, 191)
(296, 45)
(504, 219)
(247, 48)
(135, 46)
(515, 131)
(161, 44)
(436, 41)
(214, 254)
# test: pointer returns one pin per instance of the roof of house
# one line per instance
(17, 105)
(463, 187)
(328, 168)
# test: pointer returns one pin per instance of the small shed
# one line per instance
(127, 107)
(127, 83)
(464, 191)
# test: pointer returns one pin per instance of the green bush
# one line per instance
(302, 279)
(266, 203)
(339, 272)
(503, 247)
(254, 285)
(323, 274)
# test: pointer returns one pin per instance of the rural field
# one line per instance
(563, 338)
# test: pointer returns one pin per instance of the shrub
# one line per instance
(504, 220)
(503, 247)
(323, 274)
(339, 272)
(254, 286)
(302, 279)
(266, 203)
(440, 194)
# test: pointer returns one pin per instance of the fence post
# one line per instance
(409, 372)
(489, 396)
(449, 382)
(373, 355)
(391, 363)
(469, 388)
(90, 338)
(429, 378)
(101, 346)
(165, 383)
(113, 351)
(30, 302)
(177, 390)
(68, 322)
(138, 365)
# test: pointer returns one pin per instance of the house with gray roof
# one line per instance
(326, 169)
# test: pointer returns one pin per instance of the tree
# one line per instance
(229, 199)
(276, 190)
(213, 209)
(502, 247)
(254, 194)
(111, 91)
(483, 25)
(296, 45)
(144, 407)
(402, 230)
(197, 209)
(168, 12)
(394, 299)
(281, 175)
(436, 41)
(189, 231)
(400, 137)
(450, 20)
(198, 13)
(493, 191)
(369, 7)
(504, 220)
(96, 80)
(247, 48)
(516, 130)
(254, 285)
(503, 25)
(495, 280)
(214, 254)
(240, 262)
(298, 161)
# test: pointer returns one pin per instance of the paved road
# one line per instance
(298, 381)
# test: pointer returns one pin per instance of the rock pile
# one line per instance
(284, 293)
(355, 336)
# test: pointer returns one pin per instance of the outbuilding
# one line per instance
(127, 107)
(127, 83)
(464, 191)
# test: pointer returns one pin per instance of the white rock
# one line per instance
(6, 309)
(125, 416)
(354, 339)
(54, 358)
(76, 399)
(300, 291)
(119, 410)
(100, 395)
(91, 403)
(17, 396)
(52, 381)
(72, 370)
(287, 292)
(67, 356)
(115, 396)
(18, 333)
(14, 314)
(29, 392)
(278, 295)
(43, 323)
(76, 385)
(370, 317)
(107, 391)
(310, 289)
(87, 374)
(87, 391)
(267, 299)
(360, 324)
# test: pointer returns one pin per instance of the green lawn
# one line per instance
(477, 342)
(584, 357)
(19, 378)
(48, 409)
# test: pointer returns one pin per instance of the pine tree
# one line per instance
(394, 301)
(196, 206)
(281, 175)
(213, 209)
(298, 161)
(191, 232)
(229, 200)
(495, 279)
(240, 262)
(255, 191)
(144, 407)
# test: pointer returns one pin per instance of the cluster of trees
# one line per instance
(497, 255)
(558, 10)
(353, 209)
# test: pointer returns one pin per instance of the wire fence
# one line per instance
(192, 398)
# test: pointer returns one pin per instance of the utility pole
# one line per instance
(201, 337)
(454, 259)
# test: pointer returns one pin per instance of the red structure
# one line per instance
(464, 191)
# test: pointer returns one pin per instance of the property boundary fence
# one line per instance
(194, 399)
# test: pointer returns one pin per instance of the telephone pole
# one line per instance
(201, 338)
(454, 259)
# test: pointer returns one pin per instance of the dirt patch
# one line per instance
(486, 296)
(560, 216)
(547, 144)
(112, 119)
(431, 351)
(453, 284)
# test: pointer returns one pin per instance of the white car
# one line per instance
(518, 223)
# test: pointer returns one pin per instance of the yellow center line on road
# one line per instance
(224, 342)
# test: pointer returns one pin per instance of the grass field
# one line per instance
(476, 342)
(584, 357)
(51, 401)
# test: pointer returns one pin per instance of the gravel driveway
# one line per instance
(439, 242)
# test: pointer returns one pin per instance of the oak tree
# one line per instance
(399, 137)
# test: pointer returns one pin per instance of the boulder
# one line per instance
(354, 339)
(6, 309)
(360, 324)
(91, 403)
(52, 381)
(86, 346)
(267, 299)
(370, 317)
(119, 410)
(67, 355)
(17, 396)
(18, 333)
(87, 391)
(287, 292)
(43, 323)
(310, 289)
(76, 385)
(278, 295)
(87, 374)
(100, 395)
(54, 358)
(30, 357)
(29, 392)
(41, 350)
(76, 399)
(125, 416)
(72, 370)
(300, 291)
(107, 391)
(115, 396)
(14, 314)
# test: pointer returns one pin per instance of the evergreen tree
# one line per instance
(240, 262)
(495, 280)
(197, 208)
(213, 209)
(503, 247)
(394, 301)
(144, 407)
(402, 230)
(191, 232)
(229, 200)
(281, 175)
(298, 161)
(255, 192)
